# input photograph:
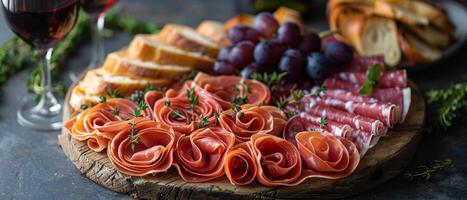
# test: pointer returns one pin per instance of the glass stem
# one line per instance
(98, 54)
(48, 104)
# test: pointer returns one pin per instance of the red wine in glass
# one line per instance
(41, 23)
(96, 7)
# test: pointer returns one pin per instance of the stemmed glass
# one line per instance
(97, 10)
(41, 24)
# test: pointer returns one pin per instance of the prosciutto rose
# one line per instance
(278, 160)
(200, 156)
(145, 147)
(326, 156)
(240, 164)
(102, 122)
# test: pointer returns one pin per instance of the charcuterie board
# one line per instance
(384, 161)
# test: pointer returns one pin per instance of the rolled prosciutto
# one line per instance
(200, 156)
(225, 88)
(326, 156)
(145, 147)
(240, 164)
(278, 160)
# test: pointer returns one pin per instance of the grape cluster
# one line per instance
(267, 46)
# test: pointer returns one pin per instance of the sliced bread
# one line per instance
(186, 38)
(416, 50)
(118, 64)
(97, 82)
(213, 30)
(372, 35)
(431, 35)
(147, 48)
(399, 12)
(78, 97)
(436, 15)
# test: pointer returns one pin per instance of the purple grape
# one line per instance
(242, 32)
(318, 66)
(289, 34)
(224, 53)
(292, 62)
(310, 43)
(242, 54)
(252, 68)
(268, 52)
(339, 53)
(265, 24)
(224, 68)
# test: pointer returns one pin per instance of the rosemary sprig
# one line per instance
(453, 102)
(427, 172)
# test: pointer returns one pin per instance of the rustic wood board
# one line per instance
(390, 156)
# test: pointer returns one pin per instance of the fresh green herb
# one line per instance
(297, 95)
(175, 113)
(115, 111)
(291, 114)
(323, 122)
(102, 99)
(240, 100)
(282, 103)
(427, 172)
(270, 79)
(237, 110)
(134, 140)
(189, 76)
(141, 106)
(192, 98)
(373, 75)
(321, 89)
(167, 103)
(84, 106)
(113, 93)
(216, 116)
(150, 87)
(115, 20)
(204, 121)
(453, 102)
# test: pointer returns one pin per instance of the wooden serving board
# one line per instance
(387, 159)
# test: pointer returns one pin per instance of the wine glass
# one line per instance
(97, 9)
(41, 24)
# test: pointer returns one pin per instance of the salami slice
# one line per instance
(385, 112)
(363, 63)
(393, 78)
(363, 140)
(359, 122)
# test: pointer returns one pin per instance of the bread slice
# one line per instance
(118, 64)
(97, 82)
(79, 97)
(399, 12)
(186, 38)
(436, 15)
(431, 35)
(416, 50)
(245, 19)
(372, 35)
(284, 14)
(213, 30)
(147, 48)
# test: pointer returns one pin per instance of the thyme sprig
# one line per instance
(427, 172)
(323, 121)
(141, 106)
(452, 103)
(134, 140)
(320, 91)
(270, 79)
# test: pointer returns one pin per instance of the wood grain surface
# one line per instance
(387, 159)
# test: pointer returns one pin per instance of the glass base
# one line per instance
(36, 116)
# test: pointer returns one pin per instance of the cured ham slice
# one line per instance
(146, 147)
(279, 118)
(250, 120)
(100, 123)
(200, 156)
(363, 140)
(393, 78)
(174, 110)
(399, 96)
(359, 122)
(326, 156)
(385, 112)
(363, 63)
(278, 160)
(225, 88)
(240, 164)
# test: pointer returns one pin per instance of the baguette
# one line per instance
(118, 64)
(399, 12)
(436, 15)
(372, 35)
(214, 31)
(147, 48)
(186, 38)
(98, 83)
(416, 50)
(79, 97)
(431, 35)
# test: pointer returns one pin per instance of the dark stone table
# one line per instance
(32, 165)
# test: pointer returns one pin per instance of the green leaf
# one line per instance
(373, 75)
